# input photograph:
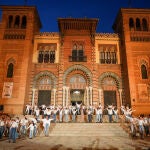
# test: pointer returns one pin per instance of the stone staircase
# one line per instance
(88, 129)
(79, 118)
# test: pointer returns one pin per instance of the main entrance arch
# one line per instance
(77, 84)
(76, 80)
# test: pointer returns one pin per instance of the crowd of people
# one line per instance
(139, 125)
(38, 119)
(69, 113)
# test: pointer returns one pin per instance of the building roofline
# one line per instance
(77, 23)
(21, 8)
(129, 11)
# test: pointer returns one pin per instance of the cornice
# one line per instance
(106, 36)
(47, 35)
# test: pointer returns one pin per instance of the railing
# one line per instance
(108, 61)
(15, 34)
(143, 36)
(78, 59)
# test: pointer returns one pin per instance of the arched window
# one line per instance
(74, 47)
(138, 25)
(74, 52)
(10, 70)
(131, 24)
(17, 22)
(102, 55)
(80, 52)
(41, 56)
(52, 57)
(108, 55)
(144, 72)
(24, 22)
(46, 56)
(144, 25)
(10, 21)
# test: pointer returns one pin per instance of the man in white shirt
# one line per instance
(31, 127)
(74, 111)
(54, 112)
(66, 113)
(141, 127)
(13, 130)
(97, 114)
(2, 127)
(23, 123)
(61, 112)
(133, 125)
(37, 113)
(46, 125)
(116, 117)
(28, 107)
(89, 115)
(146, 126)
(48, 112)
(78, 106)
(110, 113)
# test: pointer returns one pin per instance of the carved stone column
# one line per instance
(54, 90)
(64, 95)
(87, 95)
(67, 94)
(33, 94)
(91, 95)
(84, 98)
(120, 95)
(100, 95)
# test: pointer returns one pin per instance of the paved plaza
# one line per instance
(76, 143)
(80, 136)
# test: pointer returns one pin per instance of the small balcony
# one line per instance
(77, 59)
(108, 61)
(15, 34)
(140, 36)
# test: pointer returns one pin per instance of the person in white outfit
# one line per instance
(66, 113)
(31, 128)
(110, 113)
(74, 113)
(46, 125)
(23, 126)
(13, 131)
(28, 107)
(97, 115)
(116, 117)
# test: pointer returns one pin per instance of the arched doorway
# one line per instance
(77, 85)
(44, 88)
(110, 89)
(77, 81)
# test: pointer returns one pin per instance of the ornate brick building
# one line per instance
(76, 64)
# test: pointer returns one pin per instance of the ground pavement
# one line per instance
(80, 136)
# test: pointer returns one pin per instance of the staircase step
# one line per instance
(88, 129)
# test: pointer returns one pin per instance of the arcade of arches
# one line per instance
(77, 88)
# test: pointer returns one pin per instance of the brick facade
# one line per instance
(76, 64)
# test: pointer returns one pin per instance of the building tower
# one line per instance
(17, 28)
(133, 26)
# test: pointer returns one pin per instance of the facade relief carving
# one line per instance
(143, 92)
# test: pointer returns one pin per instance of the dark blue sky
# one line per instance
(104, 10)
